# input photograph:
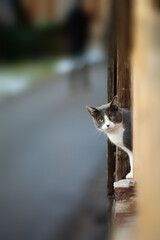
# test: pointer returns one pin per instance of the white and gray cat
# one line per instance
(116, 122)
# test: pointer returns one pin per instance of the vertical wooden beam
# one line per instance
(123, 19)
(111, 92)
(146, 129)
(119, 80)
(118, 84)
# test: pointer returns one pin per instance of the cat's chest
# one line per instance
(117, 136)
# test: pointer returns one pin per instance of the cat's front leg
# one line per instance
(130, 174)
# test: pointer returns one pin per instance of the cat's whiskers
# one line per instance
(100, 134)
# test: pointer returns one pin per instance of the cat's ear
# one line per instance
(114, 103)
(93, 111)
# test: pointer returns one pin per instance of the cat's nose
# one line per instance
(108, 125)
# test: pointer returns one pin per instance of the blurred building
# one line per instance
(39, 27)
(7, 15)
(57, 11)
(40, 10)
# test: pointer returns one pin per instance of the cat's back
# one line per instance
(126, 113)
(122, 136)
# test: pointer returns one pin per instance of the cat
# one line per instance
(117, 124)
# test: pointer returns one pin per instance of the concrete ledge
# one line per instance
(124, 189)
(124, 183)
(124, 208)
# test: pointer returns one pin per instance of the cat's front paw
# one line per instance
(129, 175)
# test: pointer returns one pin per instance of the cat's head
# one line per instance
(106, 117)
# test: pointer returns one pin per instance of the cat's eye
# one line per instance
(100, 120)
(111, 117)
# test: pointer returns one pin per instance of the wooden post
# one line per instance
(118, 84)
(123, 81)
(146, 127)
(112, 73)
(119, 80)
(111, 83)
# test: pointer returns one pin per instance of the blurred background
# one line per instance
(53, 160)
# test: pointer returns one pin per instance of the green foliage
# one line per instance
(31, 42)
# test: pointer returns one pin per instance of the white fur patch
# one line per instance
(107, 123)
(114, 132)
(116, 135)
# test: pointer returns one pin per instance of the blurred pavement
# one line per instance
(53, 160)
